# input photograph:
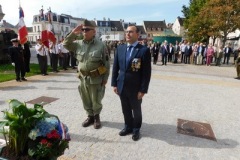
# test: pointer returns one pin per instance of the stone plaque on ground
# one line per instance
(42, 100)
(197, 129)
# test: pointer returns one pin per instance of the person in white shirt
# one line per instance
(42, 56)
(65, 54)
(54, 51)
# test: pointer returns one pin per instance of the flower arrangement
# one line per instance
(49, 138)
(33, 132)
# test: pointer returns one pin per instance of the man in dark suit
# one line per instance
(17, 58)
(130, 80)
(227, 52)
(188, 52)
(165, 52)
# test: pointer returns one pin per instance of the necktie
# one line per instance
(128, 54)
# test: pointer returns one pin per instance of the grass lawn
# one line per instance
(7, 72)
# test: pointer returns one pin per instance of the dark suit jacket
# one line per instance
(164, 51)
(172, 51)
(202, 52)
(16, 54)
(188, 50)
(124, 76)
(229, 50)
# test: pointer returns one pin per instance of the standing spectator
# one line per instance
(176, 52)
(193, 58)
(171, 52)
(182, 49)
(27, 56)
(42, 57)
(130, 80)
(155, 52)
(17, 58)
(209, 54)
(54, 51)
(165, 51)
(219, 56)
(187, 53)
(227, 52)
(73, 59)
(93, 66)
(115, 44)
(60, 57)
(200, 52)
(65, 55)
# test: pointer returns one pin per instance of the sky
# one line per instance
(128, 10)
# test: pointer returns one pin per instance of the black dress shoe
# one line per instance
(136, 136)
(24, 79)
(125, 132)
(18, 80)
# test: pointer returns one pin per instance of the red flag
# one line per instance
(50, 31)
(45, 38)
(44, 34)
(22, 29)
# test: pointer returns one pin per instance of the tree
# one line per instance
(224, 17)
(192, 11)
(215, 18)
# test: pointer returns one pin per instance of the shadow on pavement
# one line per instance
(168, 133)
(10, 88)
(84, 138)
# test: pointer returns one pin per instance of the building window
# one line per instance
(67, 30)
(35, 19)
(54, 18)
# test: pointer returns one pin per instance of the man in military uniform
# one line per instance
(237, 64)
(17, 58)
(93, 69)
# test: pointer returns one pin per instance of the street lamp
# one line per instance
(1, 13)
(114, 29)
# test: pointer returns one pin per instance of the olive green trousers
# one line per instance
(91, 95)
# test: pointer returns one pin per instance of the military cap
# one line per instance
(14, 40)
(89, 23)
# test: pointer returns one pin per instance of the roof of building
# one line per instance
(141, 29)
(5, 24)
(117, 25)
(181, 20)
(149, 25)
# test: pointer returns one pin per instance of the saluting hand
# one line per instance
(77, 30)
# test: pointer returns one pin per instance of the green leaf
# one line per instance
(31, 152)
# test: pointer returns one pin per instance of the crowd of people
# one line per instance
(58, 54)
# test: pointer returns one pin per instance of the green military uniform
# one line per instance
(90, 55)
(237, 64)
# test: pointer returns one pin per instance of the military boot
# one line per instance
(97, 123)
(88, 121)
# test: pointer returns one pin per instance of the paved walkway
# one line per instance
(196, 93)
